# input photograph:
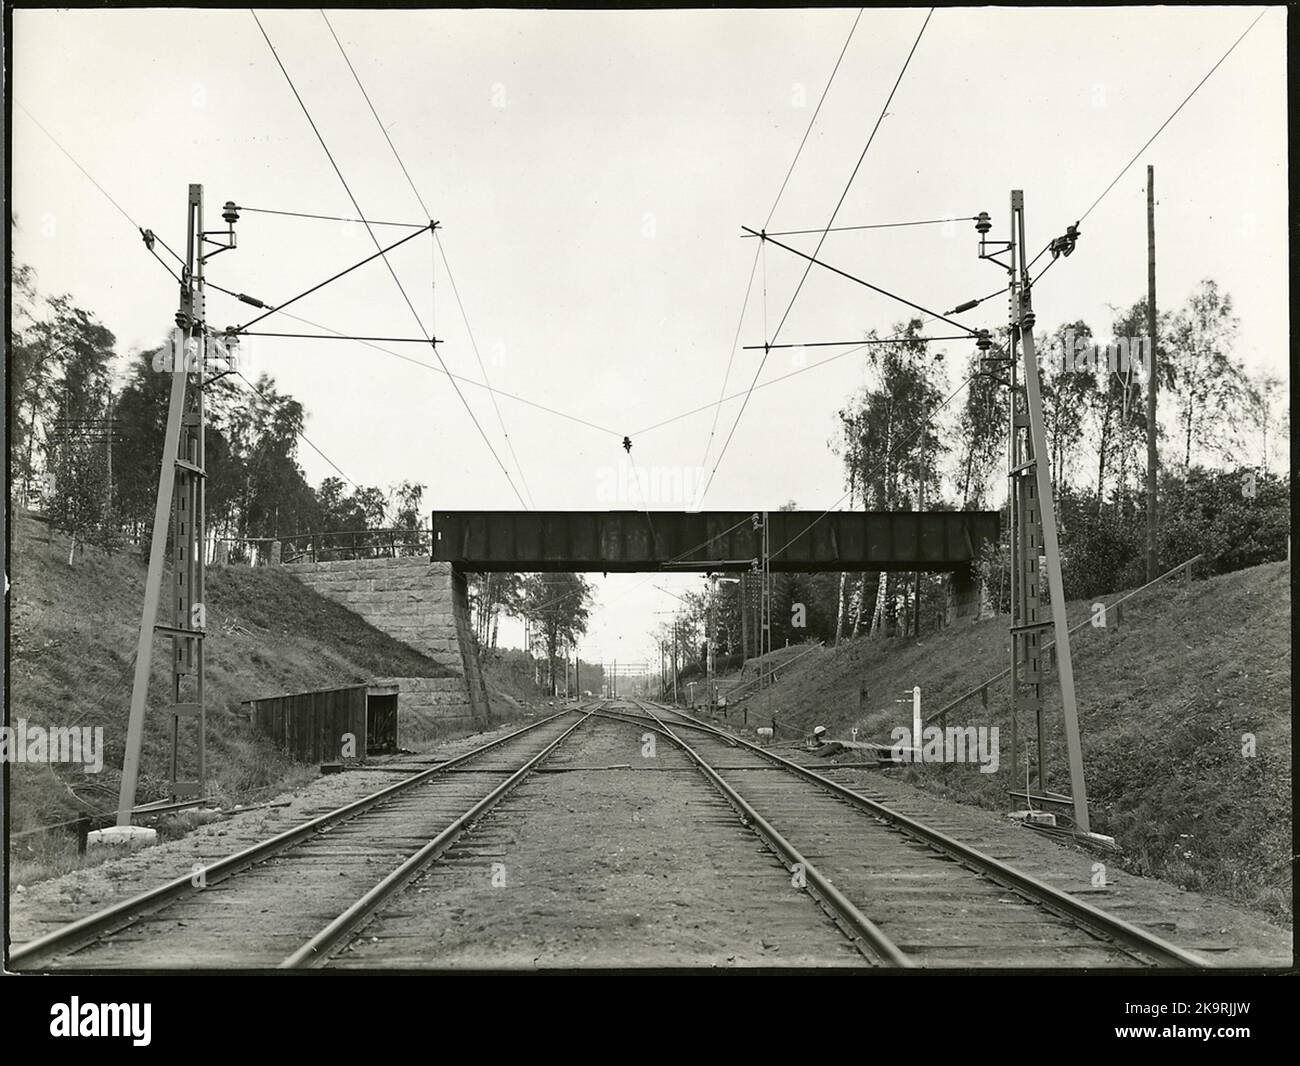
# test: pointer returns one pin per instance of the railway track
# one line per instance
(286, 900)
(617, 855)
(913, 895)
(396, 878)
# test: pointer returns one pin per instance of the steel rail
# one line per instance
(639, 719)
(83, 931)
(864, 933)
(1098, 922)
(317, 950)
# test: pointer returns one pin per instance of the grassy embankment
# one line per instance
(1166, 701)
(74, 633)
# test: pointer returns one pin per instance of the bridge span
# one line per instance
(628, 541)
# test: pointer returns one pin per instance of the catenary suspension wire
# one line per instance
(455, 289)
(1149, 141)
(849, 229)
(332, 218)
(773, 381)
(396, 280)
(135, 225)
(83, 170)
(763, 362)
(749, 285)
(812, 121)
(812, 259)
(462, 378)
(320, 285)
(1173, 115)
(441, 252)
(300, 433)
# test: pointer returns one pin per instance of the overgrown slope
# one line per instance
(1166, 701)
(74, 632)
(508, 673)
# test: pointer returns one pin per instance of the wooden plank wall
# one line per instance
(309, 726)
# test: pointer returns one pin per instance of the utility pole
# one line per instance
(920, 506)
(1152, 460)
(1025, 528)
(108, 453)
(708, 647)
(1032, 512)
(744, 616)
(1033, 628)
(675, 626)
(180, 503)
(763, 569)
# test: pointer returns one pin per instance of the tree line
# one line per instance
(87, 436)
(88, 426)
(555, 609)
(1222, 490)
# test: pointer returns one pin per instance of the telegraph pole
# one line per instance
(1152, 461)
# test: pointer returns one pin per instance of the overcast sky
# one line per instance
(592, 171)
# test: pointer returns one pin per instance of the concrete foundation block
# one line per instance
(120, 838)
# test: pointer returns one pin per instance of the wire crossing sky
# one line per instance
(591, 172)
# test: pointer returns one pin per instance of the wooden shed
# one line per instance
(314, 726)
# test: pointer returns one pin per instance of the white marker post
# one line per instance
(916, 723)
